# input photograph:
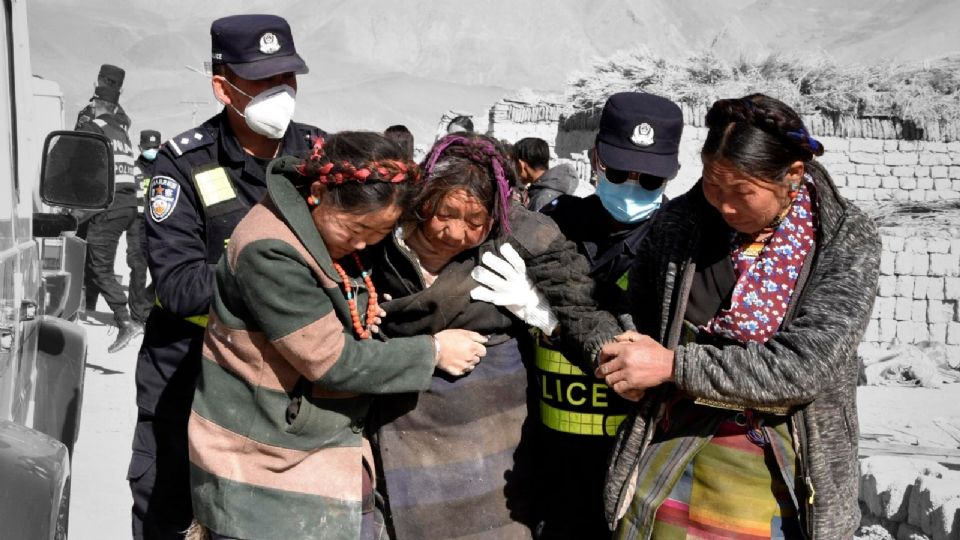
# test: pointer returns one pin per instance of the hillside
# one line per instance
(378, 62)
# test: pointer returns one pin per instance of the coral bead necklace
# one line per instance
(363, 332)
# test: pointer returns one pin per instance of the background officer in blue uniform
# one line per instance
(141, 296)
(634, 155)
(204, 181)
(104, 228)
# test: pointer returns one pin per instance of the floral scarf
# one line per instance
(766, 281)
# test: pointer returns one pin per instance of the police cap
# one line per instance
(255, 46)
(640, 132)
(149, 138)
(111, 75)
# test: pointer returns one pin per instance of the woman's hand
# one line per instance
(375, 323)
(459, 351)
(629, 335)
(630, 367)
(381, 313)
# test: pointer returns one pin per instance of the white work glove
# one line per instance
(503, 282)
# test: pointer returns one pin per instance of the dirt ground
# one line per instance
(918, 417)
(100, 498)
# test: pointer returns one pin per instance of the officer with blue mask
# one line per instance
(634, 155)
(140, 295)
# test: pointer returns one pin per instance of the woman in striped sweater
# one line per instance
(277, 445)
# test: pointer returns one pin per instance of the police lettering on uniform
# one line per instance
(635, 153)
(203, 182)
(103, 229)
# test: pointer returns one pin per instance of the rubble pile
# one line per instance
(908, 498)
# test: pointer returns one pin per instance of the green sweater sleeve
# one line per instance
(300, 318)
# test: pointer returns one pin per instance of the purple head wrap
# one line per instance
(474, 146)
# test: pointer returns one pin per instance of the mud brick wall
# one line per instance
(910, 498)
(908, 185)
(891, 170)
(920, 276)
(513, 120)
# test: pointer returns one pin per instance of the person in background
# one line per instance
(458, 459)
(103, 229)
(140, 294)
(204, 181)
(755, 289)
(541, 183)
(402, 136)
(109, 76)
(277, 443)
(112, 77)
(460, 124)
(634, 156)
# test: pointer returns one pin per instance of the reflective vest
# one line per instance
(572, 401)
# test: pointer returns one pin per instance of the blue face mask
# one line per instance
(628, 202)
(150, 154)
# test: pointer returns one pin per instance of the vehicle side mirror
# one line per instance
(77, 170)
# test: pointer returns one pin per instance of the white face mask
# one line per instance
(269, 112)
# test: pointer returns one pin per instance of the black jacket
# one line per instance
(186, 232)
(610, 247)
(553, 264)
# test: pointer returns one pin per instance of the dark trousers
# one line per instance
(141, 298)
(570, 498)
(159, 477)
(103, 236)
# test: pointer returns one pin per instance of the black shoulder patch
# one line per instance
(189, 140)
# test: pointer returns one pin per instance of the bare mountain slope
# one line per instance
(378, 62)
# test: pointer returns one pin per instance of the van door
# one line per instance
(10, 293)
(19, 272)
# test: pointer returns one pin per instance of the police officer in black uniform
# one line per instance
(204, 181)
(110, 76)
(104, 228)
(634, 155)
(141, 297)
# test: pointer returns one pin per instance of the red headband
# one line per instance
(388, 170)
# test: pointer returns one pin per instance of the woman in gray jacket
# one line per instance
(755, 289)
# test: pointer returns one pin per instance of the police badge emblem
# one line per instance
(164, 193)
(642, 135)
(269, 43)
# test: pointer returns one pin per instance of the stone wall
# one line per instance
(885, 170)
(912, 187)
(514, 120)
(920, 273)
(908, 498)
(870, 158)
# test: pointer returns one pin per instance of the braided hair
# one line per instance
(758, 134)
(361, 171)
(474, 163)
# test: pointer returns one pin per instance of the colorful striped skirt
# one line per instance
(728, 485)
